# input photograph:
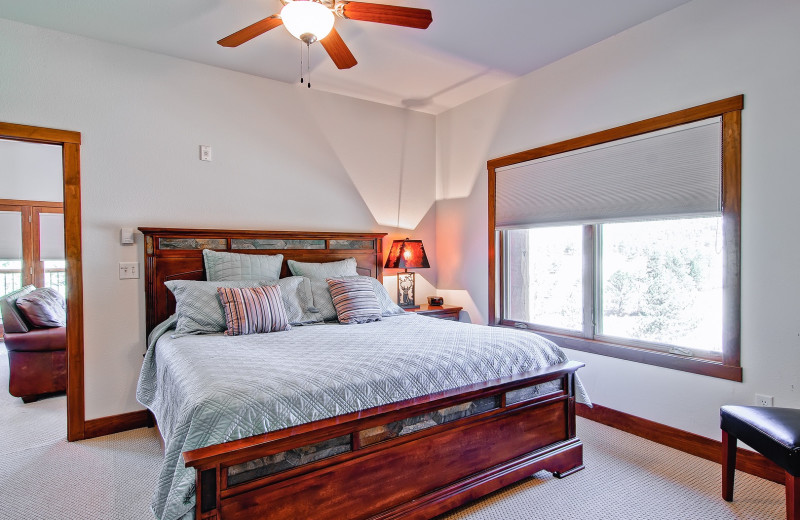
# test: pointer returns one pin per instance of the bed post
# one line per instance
(207, 494)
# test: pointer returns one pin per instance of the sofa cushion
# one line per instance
(37, 340)
(13, 321)
(44, 307)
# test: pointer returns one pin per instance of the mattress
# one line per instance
(209, 389)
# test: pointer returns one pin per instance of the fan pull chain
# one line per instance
(301, 63)
(308, 63)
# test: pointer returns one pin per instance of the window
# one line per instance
(661, 282)
(626, 242)
(31, 245)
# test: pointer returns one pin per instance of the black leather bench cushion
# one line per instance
(773, 432)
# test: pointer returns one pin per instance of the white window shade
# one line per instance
(10, 235)
(51, 236)
(672, 172)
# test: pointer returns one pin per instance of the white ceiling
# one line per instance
(472, 46)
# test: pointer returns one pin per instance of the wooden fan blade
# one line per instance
(251, 31)
(389, 14)
(338, 50)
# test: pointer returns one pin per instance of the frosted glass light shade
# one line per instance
(306, 17)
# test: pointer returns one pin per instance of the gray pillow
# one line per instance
(297, 299)
(354, 300)
(44, 307)
(388, 307)
(317, 271)
(198, 306)
(13, 321)
(235, 266)
(323, 301)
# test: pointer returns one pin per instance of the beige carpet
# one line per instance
(44, 477)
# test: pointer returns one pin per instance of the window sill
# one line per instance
(694, 365)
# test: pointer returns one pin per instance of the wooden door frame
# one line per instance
(70, 143)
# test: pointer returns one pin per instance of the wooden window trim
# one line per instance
(29, 210)
(730, 366)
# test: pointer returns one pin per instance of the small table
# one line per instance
(443, 312)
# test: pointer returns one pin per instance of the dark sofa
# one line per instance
(37, 357)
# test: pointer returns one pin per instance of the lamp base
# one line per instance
(406, 291)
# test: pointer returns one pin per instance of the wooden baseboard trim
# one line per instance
(691, 443)
(117, 423)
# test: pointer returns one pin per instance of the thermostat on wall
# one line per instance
(126, 235)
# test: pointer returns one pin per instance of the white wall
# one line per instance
(285, 157)
(30, 171)
(700, 52)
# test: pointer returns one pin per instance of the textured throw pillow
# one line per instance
(354, 300)
(12, 316)
(388, 307)
(253, 310)
(44, 307)
(198, 307)
(235, 266)
(321, 271)
(297, 299)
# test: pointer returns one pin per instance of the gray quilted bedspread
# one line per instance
(210, 389)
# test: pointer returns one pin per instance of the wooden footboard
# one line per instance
(413, 459)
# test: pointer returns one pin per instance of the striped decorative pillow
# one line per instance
(354, 300)
(253, 310)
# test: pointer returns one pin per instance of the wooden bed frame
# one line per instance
(412, 476)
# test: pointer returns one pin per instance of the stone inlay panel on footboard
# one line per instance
(532, 392)
(427, 420)
(284, 460)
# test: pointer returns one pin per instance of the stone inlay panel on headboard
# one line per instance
(352, 244)
(192, 243)
(259, 243)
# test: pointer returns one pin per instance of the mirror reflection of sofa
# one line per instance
(36, 340)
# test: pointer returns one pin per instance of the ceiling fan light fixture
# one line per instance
(307, 20)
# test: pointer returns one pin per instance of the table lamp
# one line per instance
(405, 254)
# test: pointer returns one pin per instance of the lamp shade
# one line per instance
(407, 254)
(307, 20)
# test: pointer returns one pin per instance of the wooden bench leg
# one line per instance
(728, 465)
(792, 497)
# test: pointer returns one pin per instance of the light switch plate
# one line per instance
(128, 270)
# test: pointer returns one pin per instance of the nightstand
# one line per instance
(443, 312)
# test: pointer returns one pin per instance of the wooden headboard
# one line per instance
(177, 254)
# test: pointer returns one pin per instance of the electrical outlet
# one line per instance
(763, 400)
(128, 270)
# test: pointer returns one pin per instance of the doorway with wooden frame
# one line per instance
(37, 269)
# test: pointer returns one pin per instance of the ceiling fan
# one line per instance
(312, 20)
